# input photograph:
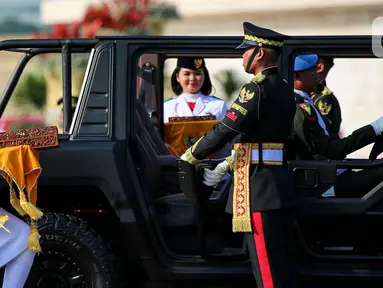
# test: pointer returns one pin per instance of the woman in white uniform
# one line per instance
(191, 83)
(14, 251)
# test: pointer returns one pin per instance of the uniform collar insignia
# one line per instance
(260, 77)
(326, 91)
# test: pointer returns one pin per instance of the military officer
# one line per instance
(14, 251)
(313, 140)
(191, 83)
(325, 100)
(260, 120)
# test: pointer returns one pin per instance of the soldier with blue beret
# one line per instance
(313, 139)
(324, 99)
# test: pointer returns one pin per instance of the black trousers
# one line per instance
(351, 184)
(271, 249)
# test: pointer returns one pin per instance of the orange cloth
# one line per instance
(20, 164)
(181, 135)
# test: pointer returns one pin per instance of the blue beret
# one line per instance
(304, 62)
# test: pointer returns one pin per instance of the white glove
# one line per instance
(213, 177)
(378, 126)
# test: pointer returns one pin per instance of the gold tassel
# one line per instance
(16, 202)
(4, 219)
(29, 208)
(33, 239)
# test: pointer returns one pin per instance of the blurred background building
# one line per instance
(222, 17)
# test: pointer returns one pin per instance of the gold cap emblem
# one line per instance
(197, 63)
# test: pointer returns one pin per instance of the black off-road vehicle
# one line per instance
(120, 211)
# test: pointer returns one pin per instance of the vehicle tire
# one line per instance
(73, 256)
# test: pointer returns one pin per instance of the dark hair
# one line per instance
(329, 60)
(206, 86)
(273, 54)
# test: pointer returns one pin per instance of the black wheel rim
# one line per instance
(56, 267)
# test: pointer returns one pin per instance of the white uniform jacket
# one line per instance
(205, 105)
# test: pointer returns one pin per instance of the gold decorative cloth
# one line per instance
(179, 136)
(241, 191)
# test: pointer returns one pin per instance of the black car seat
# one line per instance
(159, 168)
(159, 174)
(154, 138)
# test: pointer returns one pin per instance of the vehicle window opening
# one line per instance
(62, 94)
(326, 219)
(176, 213)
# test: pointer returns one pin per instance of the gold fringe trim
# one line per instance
(242, 224)
(3, 220)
